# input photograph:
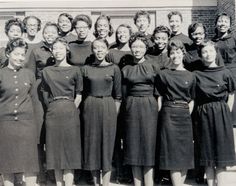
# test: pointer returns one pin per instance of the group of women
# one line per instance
(82, 93)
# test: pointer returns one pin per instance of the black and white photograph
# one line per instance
(117, 92)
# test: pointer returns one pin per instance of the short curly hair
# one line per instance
(142, 13)
(193, 27)
(161, 29)
(32, 17)
(204, 44)
(101, 40)
(16, 22)
(51, 24)
(84, 18)
(67, 16)
(14, 43)
(175, 44)
(111, 30)
(125, 26)
(139, 36)
(175, 13)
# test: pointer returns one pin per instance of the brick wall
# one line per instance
(228, 6)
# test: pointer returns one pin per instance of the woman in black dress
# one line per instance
(120, 51)
(119, 54)
(32, 27)
(139, 112)
(103, 28)
(80, 49)
(64, 23)
(62, 85)
(102, 91)
(158, 52)
(41, 57)
(18, 135)
(14, 28)
(226, 44)
(177, 88)
(215, 97)
(176, 21)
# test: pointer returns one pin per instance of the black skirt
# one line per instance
(140, 125)
(99, 119)
(216, 135)
(18, 147)
(63, 138)
(176, 149)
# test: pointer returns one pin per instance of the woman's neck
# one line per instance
(123, 47)
(13, 67)
(103, 63)
(222, 34)
(64, 63)
(138, 61)
(31, 38)
(179, 67)
(176, 33)
(213, 64)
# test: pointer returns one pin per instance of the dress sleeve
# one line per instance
(3, 58)
(44, 88)
(79, 82)
(159, 85)
(116, 92)
(193, 88)
(231, 84)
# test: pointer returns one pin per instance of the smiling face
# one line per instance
(176, 56)
(64, 24)
(17, 58)
(223, 24)
(208, 54)
(82, 29)
(142, 23)
(32, 27)
(14, 32)
(103, 28)
(123, 34)
(100, 50)
(138, 49)
(59, 51)
(175, 24)
(161, 40)
(198, 35)
(50, 34)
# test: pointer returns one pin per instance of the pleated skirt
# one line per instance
(100, 120)
(140, 125)
(216, 135)
(63, 138)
